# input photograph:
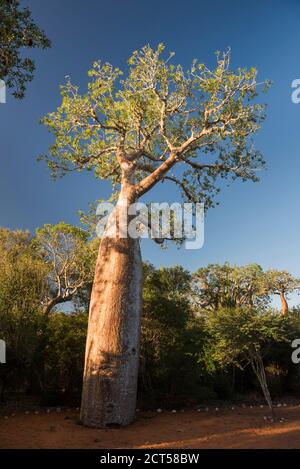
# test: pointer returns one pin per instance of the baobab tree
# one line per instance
(281, 282)
(229, 286)
(159, 123)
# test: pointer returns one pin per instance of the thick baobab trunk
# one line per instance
(112, 349)
(284, 305)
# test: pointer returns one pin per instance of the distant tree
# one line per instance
(281, 282)
(173, 282)
(158, 124)
(242, 337)
(226, 286)
(18, 31)
(70, 261)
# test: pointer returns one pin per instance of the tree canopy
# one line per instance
(18, 31)
(159, 123)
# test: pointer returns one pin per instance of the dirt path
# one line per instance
(238, 428)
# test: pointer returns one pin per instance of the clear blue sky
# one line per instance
(255, 222)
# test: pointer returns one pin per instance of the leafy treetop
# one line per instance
(18, 31)
(160, 123)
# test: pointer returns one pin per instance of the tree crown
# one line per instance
(160, 123)
(18, 31)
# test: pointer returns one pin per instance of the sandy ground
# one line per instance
(238, 428)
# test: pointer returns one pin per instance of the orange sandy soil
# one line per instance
(238, 428)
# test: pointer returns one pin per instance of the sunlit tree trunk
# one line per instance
(113, 341)
(284, 305)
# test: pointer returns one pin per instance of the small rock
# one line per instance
(217, 409)
(261, 406)
(159, 411)
(284, 405)
(27, 412)
(77, 408)
(58, 409)
(278, 405)
(36, 412)
(265, 418)
(5, 417)
(13, 415)
(243, 405)
(207, 409)
(48, 411)
(174, 411)
(198, 410)
(232, 408)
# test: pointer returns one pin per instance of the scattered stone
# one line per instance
(265, 418)
(174, 411)
(278, 405)
(48, 411)
(217, 409)
(36, 412)
(284, 405)
(77, 408)
(261, 406)
(207, 409)
(159, 411)
(198, 410)
(27, 412)
(58, 409)
(232, 408)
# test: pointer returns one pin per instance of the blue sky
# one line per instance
(255, 222)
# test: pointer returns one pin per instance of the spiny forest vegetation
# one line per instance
(208, 335)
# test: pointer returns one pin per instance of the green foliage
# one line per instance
(186, 357)
(228, 286)
(22, 285)
(63, 356)
(18, 31)
(237, 334)
(171, 339)
(281, 281)
(160, 113)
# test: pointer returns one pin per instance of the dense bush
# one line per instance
(190, 351)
